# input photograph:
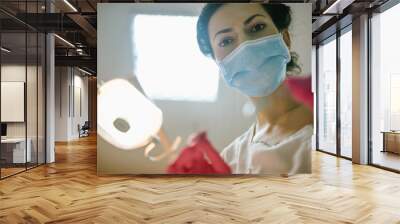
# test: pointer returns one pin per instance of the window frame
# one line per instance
(371, 13)
(334, 37)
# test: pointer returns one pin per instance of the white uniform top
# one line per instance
(249, 154)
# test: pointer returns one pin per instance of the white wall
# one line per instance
(68, 83)
(12, 73)
(61, 104)
(301, 39)
(222, 119)
(81, 82)
(33, 127)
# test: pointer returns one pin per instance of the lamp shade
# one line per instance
(126, 118)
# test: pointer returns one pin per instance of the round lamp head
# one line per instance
(126, 118)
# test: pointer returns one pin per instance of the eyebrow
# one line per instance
(227, 30)
(247, 21)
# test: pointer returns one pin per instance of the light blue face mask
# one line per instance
(256, 67)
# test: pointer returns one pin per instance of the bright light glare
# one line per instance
(395, 93)
(169, 63)
(389, 65)
(327, 82)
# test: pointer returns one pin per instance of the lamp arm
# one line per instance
(164, 140)
(161, 137)
(168, 146)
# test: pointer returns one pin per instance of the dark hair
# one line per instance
(280, 14)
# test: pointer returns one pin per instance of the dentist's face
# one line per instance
(233, 24)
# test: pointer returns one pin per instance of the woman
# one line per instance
(250, 43)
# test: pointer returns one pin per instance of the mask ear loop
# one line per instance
(168, 148)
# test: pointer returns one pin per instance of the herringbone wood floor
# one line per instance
(70, 192)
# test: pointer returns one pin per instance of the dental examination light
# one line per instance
(129, 120)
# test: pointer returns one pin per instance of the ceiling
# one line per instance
(76, 22)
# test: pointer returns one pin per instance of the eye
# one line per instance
(224, 42)
(257, 27)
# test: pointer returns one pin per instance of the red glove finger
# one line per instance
(217, 162)
(192, 159)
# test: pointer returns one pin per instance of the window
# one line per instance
(394, 101)
(22, 78)
(346, 94)
(169, 63)
(327, 97)
(385, 89)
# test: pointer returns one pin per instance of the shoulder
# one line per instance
(230, 151)
(301, 139)
(306, 132)
(302, 156)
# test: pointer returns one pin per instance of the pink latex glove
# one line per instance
(300, 87)
(199, 157)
